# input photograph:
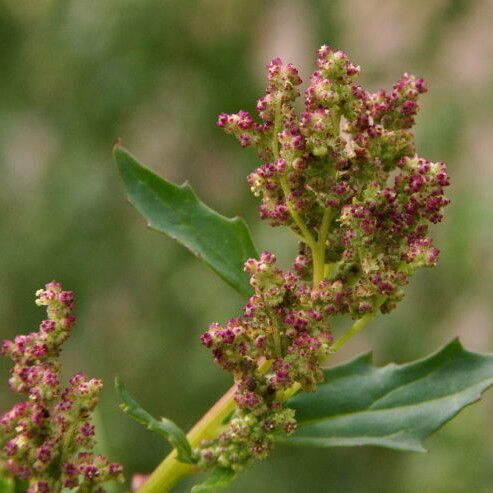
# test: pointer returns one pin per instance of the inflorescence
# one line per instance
(344, 177)
(48, 440)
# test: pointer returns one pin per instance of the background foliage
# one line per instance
(75, 75)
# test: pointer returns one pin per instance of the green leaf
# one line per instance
(217, 480)
(396, 406)
(164, 427)
(223, 243)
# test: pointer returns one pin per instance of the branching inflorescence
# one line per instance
(47, 441)
(345, 178)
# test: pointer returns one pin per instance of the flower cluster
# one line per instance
(47, 441)
(344, 176)
(247, 438)
(282, 339)
(282, 324)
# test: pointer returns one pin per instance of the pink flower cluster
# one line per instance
(248, 437)
(280, 324)
(349, 157)
(344, 176)
(47, 441)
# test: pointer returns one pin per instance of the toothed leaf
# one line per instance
(222, 243)
(396, 406)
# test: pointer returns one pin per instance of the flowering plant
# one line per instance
(48, 440)
(344, 177)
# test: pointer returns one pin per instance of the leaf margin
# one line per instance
(164, 427)
(217, 480)
(128, 164)
(470, 395)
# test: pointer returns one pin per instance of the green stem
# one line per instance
(352, 331)
(318, 266)
(307, 236)
(276, 333)
(319, 251)
(324, 228)
(275, 131)
(310, 241)
(337, 346)
(170, 471)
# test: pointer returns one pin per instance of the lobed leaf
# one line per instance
(217, 480)
(396, 406)
(222, 243)
(164, 427)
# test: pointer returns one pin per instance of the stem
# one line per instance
(337, 346)
(328, 268)
(319, 251)
(324, 229)
(277, 340)
(276, 130)
(310, 241)
(318, 266)
(284, 182)
(170, 471)
(352, 331)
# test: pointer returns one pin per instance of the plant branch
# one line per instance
(319, 252)
(170, 471)
(352, 331)
(310, 241)
(337, 346)
(307, 236)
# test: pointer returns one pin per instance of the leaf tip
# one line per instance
(364, 359)
(117, 148)
(117, 151)
(457, 340)
(456, 343)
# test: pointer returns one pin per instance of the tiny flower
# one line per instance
(44, 454)
(87, 429)
(115, 469)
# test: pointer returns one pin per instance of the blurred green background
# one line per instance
(77, 74)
